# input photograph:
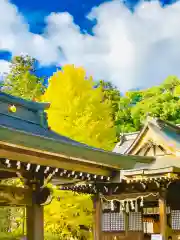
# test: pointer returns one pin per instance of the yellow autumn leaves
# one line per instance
(77, 108)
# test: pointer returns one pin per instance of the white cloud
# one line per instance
(131, 50)
(4, 67)
(16, 38)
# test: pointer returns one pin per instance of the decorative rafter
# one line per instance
(49, 173)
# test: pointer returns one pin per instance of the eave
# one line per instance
(28, 146)
(126, 188)
(163, 167)
(53, 150)
(43, 158)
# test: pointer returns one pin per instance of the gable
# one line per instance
(151, 148)
(157, 138)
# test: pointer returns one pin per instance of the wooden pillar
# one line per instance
(35, 222)
(35, 212)
(126, 219)
(142, 224)
(163, 215)
(97, 228)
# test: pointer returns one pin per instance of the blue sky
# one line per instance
(132, 44)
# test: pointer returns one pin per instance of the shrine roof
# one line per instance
(126, 140)
(165, 130)
(162, 165)
(29, 117)
(24, 123)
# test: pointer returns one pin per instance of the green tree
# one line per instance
(21, 81)
(161, 101)
(78, 110)
(111, 93)
(123, 119)
(170, 84)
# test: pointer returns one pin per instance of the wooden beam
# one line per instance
(10, 172)
(28, 156)
(7, 175)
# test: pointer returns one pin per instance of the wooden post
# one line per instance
(97, 217)
(35, 212)
(163, 215)
(35, 222)
(126, 219)
(142, 224)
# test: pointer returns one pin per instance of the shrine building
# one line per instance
(135, 189)
(142, 202)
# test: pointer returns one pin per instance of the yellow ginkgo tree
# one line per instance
(69, 216)
(77, 108)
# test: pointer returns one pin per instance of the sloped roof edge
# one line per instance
(68, 150)
(24, 128)
(149, 122)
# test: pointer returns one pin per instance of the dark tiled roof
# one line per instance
(23, 123)
(27, 126)
(126, 141)
(169, 131)
(33, 128)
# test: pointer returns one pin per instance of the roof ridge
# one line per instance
(161, 123)
(136, 132)
(129, 133)
(37, 106)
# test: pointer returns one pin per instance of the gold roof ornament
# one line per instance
(12, 108)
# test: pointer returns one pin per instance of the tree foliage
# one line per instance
(22, 81)
(111, 93)
(88, 112)
(161, 101)
(12, 219)
(69, 216)
(78, 109)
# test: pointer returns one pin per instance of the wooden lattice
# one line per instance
(175, 219)
(135, 221)
(106, 222)
(113, 221)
